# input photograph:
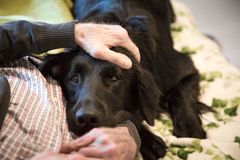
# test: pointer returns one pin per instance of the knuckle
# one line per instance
(122, 32)
(99, 132)
(113, 148)
(110, 151)
(118, 27)
(106, 138)
(96, 53)
(96, 130)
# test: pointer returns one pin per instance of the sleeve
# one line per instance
(21, 38)
(134, 133)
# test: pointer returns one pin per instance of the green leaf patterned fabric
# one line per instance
(220, 88)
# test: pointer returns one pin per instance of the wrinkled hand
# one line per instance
(104, 144)
(97, 39)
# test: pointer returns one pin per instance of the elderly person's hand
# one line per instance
(104, 144)
(97, 39)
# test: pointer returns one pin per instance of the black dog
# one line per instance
(101, 94)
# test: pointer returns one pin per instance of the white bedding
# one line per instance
(220, 88)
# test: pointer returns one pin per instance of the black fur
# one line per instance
(102, 94)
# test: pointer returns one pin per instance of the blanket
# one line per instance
(220, 89)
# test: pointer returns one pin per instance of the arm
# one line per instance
(21, 38)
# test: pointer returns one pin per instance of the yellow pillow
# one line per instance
(51, 11)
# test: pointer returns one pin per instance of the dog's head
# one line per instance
(99, 93)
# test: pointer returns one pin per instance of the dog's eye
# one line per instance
(114, 78)
(75, 79)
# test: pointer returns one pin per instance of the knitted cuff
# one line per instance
(133, 132)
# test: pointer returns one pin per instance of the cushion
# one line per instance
(51, 11)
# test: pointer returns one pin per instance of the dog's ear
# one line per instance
(148, 95)
(53, 65)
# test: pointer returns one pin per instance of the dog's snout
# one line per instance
(87, 119)
(88, 114)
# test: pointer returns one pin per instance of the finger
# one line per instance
(84, 141)
(66, 148)
(75, 156)
(91, 152)
(97, 152)
(77, 144)
(50, 155)
(78, 156)
(128, 44)
(119, 59)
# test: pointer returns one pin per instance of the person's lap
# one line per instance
(36, 119)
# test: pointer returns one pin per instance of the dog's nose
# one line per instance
(87, 120)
